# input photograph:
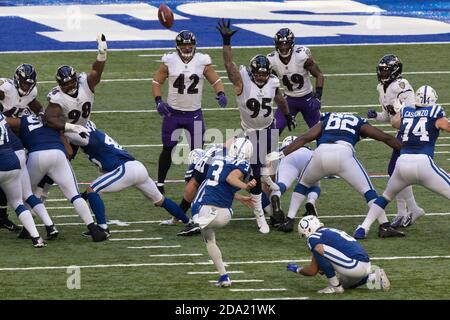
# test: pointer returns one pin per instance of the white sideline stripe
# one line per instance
(254, 290)
(66, 216)
(135, 239)
(154, 247)
(283, 298)
(133, 265)
(240, 281)
(211, 272)
(443, 145)
(125, 231)
(243, 219)
(229, 109)
(374, 74)
(177, 255)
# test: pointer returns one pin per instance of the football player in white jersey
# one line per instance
(419, 128)
(186, 70)
(75, 95)
(294, 64)
(394, 91)
(256, 89)
(18, 97)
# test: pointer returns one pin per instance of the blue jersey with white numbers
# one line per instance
(36, 137)
(216, 190)
(8, 159)
(103, 151)
(199, 170)
(340, 241)
(418, 129)
(340, 127)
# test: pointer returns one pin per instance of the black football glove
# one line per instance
(225, 31)
(290, 121)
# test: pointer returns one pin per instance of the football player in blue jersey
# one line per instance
(47, 156)
(121, 170)
(11, 183)
(336, 135)
(212, 206)
(419, 128)
(335, 252)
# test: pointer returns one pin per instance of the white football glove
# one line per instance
(75, 128)
(102, 47)
(273, 156)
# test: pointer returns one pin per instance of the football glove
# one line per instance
(221, 99)
(225, 31)
(75, 128)
(162, 107)
(371, 114)
(102, 47)
(290, 121)
(318, 93)
(292, 267)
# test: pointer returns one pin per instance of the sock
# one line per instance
(185, 205)
(401, 203)
(40, 209)
(334, 281)
(82, 209)
(282, 187)
(313, 194)
(265, 200)
(216, 256)
(374, 212)
(3, 206)
(296, 202)
(257, 209)
(164, 163)
(408, 196)
(174, 210)
(98, 208)
(27, 221)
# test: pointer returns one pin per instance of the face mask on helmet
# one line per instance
(260, 70)
(426, 96)
(25, 79)
(284, 42)
(389, 68)
(308, 225)
(186, 43)
(67, 80)
(195, 155)
(241, 148)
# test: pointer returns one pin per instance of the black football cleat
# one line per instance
(278, 216)
(310, 209)
(52, 232)
(386, 231)
(38, 242)
(9, 225)
(88, 233)
(24, 234)
(287, 226)
(190, 229)
(97, 233)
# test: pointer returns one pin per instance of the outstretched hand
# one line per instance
(102, 47)
(226, 32)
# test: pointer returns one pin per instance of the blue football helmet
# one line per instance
(389, 68)
(186, 43)
(284, 42)
(24, 79)
(67, 79)
(260, 69)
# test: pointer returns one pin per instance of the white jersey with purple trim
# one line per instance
(13, 105)
(77, 110)
(294, 76)
(255, 103)
(399, 93)
(185, 80)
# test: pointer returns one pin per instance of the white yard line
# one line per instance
(258, 290)
(56, 200)
(135, 265)
(153, 247)
(240, 281)
(58, 208)
(211, 272)
(177, 255)
(66, 215)
(283, 298)
(125, 231)
(135, 239)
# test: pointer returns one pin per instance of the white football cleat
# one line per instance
(262, 223)
(416, 214)
(382, 280)
(170, 222)
(332, 289)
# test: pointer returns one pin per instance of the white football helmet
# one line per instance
(287, 141)
(195, 155)
(308, 225)
(426, 96)
(241, 148)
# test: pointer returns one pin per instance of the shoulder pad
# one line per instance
(205, 59)
(271, 55)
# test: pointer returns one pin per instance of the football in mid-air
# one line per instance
(165, 16)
